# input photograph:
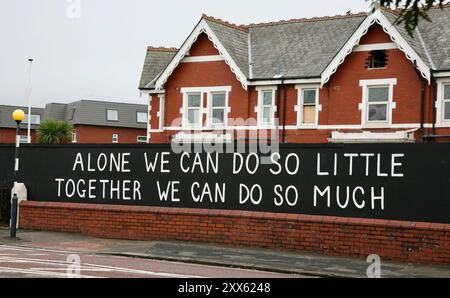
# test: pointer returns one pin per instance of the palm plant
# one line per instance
(54, 132)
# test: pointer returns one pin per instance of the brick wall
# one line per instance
(103, 134)
(8, 135)
(391, 240)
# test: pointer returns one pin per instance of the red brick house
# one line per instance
(93, 121)
(351, 78)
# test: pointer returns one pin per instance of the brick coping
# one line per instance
(242, 214)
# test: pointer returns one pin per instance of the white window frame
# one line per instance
(74, 137)
(161, 112)
(259, 108)
(143, 138)
(112, 110)
(204, 108)
(364, 104)
(226, 108)
(33, 116)
(299, 107)
(137, 117)
(115, 138)
(440, 102)
(186, 109)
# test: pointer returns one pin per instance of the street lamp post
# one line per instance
(29, 100)
(18, 116)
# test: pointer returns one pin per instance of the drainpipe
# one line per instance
(284, 111)
(422, 110)
(277, 127)
(422, 102)
(433, 107)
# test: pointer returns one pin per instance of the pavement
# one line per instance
(26, 262)
(222, 256)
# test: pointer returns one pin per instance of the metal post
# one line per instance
(15, 200)
(29, 100)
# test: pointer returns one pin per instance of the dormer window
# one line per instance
(377, 59)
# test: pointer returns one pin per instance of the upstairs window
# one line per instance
(308, 106)
(446, 102)
(112, 115)
(378, 104)
(35, 119)
(194, 107)
(377, 59)
(141, 117)
(266, 107)
(198, 101)
(71, 114)
(309, 103)
(218, 109)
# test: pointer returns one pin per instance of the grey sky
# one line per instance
(100, 55)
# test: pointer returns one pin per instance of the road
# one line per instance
(20, 262)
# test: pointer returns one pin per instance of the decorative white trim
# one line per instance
(161, 112)
(149, 130)
(205, 89)
(299, 107)
(265, 83)
(258, 108)
(202, 27)
(303, 81)
(376, 82)
(375, 47)
(365, 84)
(372, 137)
(440, 121)
(201, 137)
(289, 81)
(294, 127)
(376, 17)
(208, 58)
(142, 91)
(445, 74)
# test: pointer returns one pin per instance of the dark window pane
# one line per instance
(194, 100)
(378, 59)
(218, 100)
(309, 96)
(447, 111)
(193, 116)
(378, 94)
(218, 116)
(267, 115)
(378, 112)
(446, 91)
(267, 98)
(112, 115)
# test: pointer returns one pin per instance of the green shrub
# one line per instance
(54, 132)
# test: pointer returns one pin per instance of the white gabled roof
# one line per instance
(379, 18)
(202, 27)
